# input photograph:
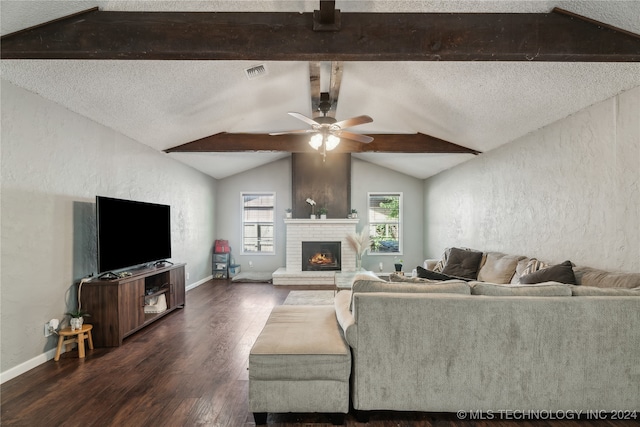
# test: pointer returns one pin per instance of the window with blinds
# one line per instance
(385, 223)
(258, 226)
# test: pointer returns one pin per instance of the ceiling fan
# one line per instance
(326, 130)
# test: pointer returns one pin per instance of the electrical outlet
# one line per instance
(187, 276)
(50, 327)
(250, 264)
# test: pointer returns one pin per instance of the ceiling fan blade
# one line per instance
(304, 118)
(354, 121)
(354, 136)
(293, 132)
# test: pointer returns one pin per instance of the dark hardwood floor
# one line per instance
(189, 368)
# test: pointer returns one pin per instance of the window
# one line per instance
(385, 220)
(257, 223)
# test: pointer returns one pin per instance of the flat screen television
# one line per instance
(131, 233)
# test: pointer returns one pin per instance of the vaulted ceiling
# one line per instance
(480, 104)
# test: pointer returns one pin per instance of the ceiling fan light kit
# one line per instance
(329, 141)
(332, 142)
(316, 141)
(326, 130)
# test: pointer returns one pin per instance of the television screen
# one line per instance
(131, 233)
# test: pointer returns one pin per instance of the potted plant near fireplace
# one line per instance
(287, 213)
(323, 213)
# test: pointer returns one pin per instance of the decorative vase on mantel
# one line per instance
(323, 216)
(312, 216)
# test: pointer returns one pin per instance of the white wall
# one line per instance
(367, 177)
(272, 177)
(276, 177)
(54, 163)
(568, 191)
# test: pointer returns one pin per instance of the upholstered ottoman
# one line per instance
(300, 363)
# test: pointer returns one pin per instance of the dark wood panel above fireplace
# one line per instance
(328, 183)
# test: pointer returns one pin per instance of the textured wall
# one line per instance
(54, 163)
(570, 190)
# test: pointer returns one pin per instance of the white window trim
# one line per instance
(400, 222)
(242, 194)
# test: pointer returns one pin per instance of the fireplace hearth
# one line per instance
(321, 256)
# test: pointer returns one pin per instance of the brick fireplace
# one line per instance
(315, 230)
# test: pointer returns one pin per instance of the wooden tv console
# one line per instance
(117, 306)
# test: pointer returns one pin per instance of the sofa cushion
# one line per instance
(463, 263)
(445, 287)
(498, 267)
(562, 273)
(366, 275)
(434, 275)
(592, 291)
(588, 276)
(546, 289)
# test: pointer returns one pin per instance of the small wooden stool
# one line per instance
(78, 335)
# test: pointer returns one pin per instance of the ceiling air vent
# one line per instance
(256, 71)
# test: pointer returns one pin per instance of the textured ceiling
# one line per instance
(480, 105)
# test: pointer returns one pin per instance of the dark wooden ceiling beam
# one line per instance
(256, 142)
(327, 18)
(290, 37)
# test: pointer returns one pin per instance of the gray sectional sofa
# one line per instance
(485, 342)
(422, 345)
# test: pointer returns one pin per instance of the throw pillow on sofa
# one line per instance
(534, 265)
(423, 273)
(393, 277)
(463, 263)
(442, 261)
(562, 273)
(588, 276)
(498, 267)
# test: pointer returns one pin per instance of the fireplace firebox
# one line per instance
(321, 256)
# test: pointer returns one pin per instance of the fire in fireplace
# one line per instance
(320, 256)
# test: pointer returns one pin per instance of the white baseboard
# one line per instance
(50, 354)
(198, 283)
(28, 365)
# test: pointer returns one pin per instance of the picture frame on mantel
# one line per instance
(327, 182)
